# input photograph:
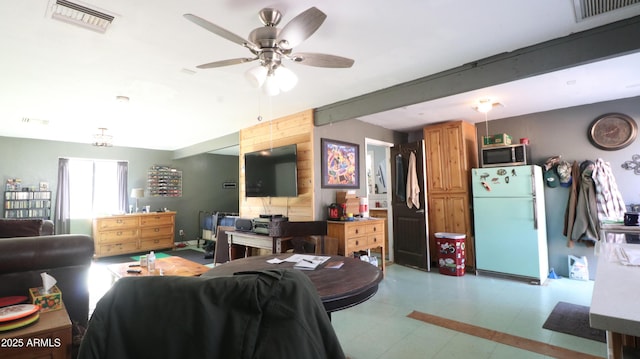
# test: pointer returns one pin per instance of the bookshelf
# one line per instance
(27, 204)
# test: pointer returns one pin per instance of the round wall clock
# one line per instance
(613, 131)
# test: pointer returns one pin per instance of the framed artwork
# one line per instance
(340, 164)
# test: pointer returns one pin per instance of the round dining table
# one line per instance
(353, 283)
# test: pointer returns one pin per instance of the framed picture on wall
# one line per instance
(340, 164)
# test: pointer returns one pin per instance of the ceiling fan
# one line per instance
(270, 45)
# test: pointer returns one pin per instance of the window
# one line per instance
(94, 187)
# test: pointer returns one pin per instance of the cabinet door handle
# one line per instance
(375, 239)
(357, 243)
(357, 231)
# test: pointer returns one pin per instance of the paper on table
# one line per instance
(276, 260)
(305, 261)
(629, 256)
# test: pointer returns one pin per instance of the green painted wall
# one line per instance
(34, 161)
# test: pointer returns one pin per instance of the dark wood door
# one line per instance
(409, 224)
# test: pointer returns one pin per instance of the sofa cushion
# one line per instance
(20, 227)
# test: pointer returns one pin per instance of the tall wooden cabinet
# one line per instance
(131, 233)
(451, 151)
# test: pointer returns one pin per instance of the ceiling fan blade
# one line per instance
(321, 60)
(300, 28)
(220, 31)
(222, 63)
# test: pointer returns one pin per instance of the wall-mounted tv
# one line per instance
(271, 172)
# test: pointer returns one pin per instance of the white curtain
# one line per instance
(63, 209)
(123, 175)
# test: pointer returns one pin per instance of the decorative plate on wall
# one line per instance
(612, 131)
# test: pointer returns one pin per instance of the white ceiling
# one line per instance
(65, 79)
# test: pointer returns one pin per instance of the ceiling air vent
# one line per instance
(81, 15)
(589, 8)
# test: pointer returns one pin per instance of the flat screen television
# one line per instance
(271, 172)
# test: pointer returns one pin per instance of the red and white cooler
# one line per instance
(451, 253)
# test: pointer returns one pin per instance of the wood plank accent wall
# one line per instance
(293, 129)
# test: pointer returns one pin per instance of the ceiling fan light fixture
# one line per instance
(271, 86)
(484, 106)
(286, 78)
(256, 76)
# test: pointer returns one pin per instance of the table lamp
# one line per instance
(137, 193)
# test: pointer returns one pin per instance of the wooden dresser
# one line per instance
(131, 233)
(359, 235)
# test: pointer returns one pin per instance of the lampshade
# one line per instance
(272, 82)
(256, 76)
(137, 192)
(270, 86)
(287, 80)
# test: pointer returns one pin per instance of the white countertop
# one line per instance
(615, 303)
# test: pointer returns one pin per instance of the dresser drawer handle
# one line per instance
(156, 241)
(119, 221)
(119, 233)
(156, 229)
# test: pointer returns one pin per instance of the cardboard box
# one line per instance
(349, 198)
(342, 196)
(500, 139)
(47, 301)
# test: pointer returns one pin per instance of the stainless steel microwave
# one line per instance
(510, 155)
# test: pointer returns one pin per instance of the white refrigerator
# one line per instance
(509, 222)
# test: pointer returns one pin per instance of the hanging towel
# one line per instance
(400, 179)
(413, 188)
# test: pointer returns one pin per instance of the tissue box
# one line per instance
(47, 301)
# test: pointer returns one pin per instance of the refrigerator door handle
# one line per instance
(533, 182)
(535, 213)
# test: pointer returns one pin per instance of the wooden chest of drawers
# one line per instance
(130, 233)
(359, 235)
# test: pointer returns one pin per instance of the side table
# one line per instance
(49, 337)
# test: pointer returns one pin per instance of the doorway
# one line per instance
(378, 168)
